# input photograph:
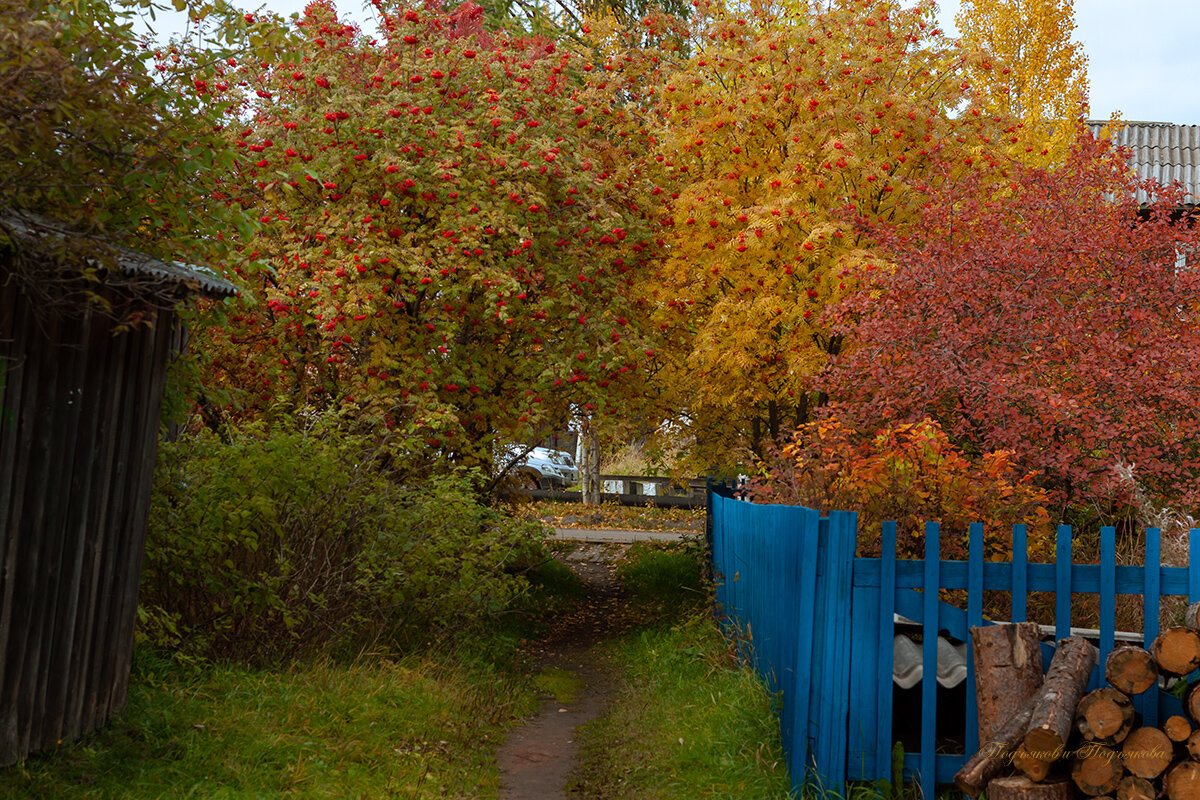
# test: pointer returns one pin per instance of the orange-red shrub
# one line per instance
(910, 473)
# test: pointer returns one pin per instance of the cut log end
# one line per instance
(1193, 745)
(1183, 781)
(1177, 650)
(1191, 702)
(1147, 752)
(1019, 787)
(1177, 728)
(1130, 670)
(1132, 787)
(1032, 766)
(1097, 770)
(1105, 716)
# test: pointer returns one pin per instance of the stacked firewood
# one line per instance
(1046, 739)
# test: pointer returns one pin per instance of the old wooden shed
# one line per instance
(82, 371)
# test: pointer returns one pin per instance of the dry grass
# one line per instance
(637, 458)
(1131, 552)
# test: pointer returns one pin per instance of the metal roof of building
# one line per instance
(34, 227)
(1160, 150)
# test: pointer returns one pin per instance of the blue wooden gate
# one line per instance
(819, 625)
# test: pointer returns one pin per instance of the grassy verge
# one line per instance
(688, 720)
(420, 726)
(664, 580)
(416, 727)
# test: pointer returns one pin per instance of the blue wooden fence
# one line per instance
(818, 624)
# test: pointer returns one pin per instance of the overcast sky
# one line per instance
(1143, 55)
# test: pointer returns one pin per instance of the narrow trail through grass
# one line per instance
(538, 758)
(656, 706)
(644, 699)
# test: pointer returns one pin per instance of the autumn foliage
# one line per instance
(737, 217)
(777, 128)
(108, 142)
(1027, 68)
(909, 473)
(1042, 313)
(450, 221)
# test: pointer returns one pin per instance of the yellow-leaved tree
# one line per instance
(1029, 69)
(780, 128)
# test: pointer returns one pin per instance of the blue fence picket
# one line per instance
(1062, 582)
(765, 566)
(1151, 603)
(1108, 601)
(799, 754)
(1194, 565)
(1020, 572)
(929, 648)
(887, 632)
(974, 620)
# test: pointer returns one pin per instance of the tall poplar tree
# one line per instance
(1028, 68)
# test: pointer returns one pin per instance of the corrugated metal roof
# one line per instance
(1160, 150)
(908, 662)
(33, 227)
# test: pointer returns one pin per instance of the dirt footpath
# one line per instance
(538, 757)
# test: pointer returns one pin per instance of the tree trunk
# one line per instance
(1147, 752)
(1008, 671)
(1183, 781)
(1097, 770)
(995, 754)
(1018, 787)
(1104, 716)
(1130, 669)
(1176, 650)
(589, 465)
(1054, 713)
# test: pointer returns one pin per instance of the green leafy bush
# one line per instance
(293, 537)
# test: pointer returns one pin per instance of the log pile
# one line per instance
(1058, 742)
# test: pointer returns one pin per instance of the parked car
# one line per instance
(543, 468)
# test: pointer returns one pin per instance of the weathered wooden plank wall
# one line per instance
(79, 412)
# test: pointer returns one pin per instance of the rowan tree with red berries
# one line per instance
(452, 224)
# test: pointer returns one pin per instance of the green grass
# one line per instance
(564, 686)
(688, 722)
(420, 726)
(415, 728)
(663, 578)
